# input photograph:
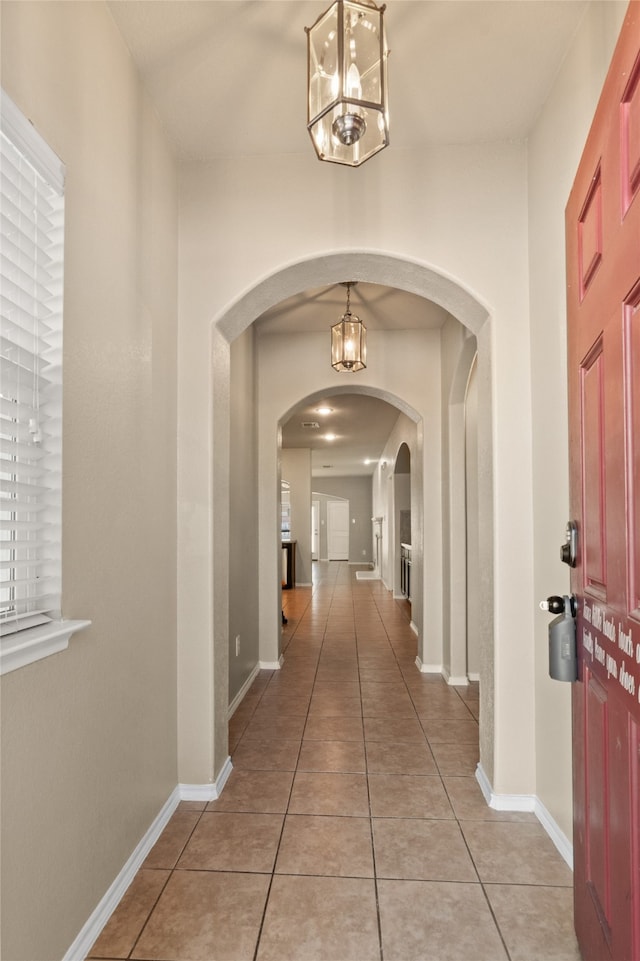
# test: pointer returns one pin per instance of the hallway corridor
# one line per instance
(352, 827)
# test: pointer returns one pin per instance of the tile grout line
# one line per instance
(284, 821)
(286, 812)
(373, 847)
(164, 886)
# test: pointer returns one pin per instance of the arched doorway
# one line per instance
(398, 432)
(330, 269)
(402, 533)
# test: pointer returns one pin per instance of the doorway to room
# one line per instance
(338, 530)
(315, 530)
(277, 395)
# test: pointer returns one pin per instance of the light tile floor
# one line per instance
(352, 827)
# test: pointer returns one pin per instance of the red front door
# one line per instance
(603, 278)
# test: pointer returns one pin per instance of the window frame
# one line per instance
(46, 631)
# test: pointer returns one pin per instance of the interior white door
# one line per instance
(315, 529)
(338, 530)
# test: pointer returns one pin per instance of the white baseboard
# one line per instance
(559, 838)
(428, 668)
(99, 917)
(271, 665)
(473, 676)
(414, 628)
(460, 681)
(235, 704)
(485, 784)
(503, 802)
(207, 792)
(527, 802)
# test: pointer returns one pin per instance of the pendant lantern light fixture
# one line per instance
(349, 340)
(347, 110)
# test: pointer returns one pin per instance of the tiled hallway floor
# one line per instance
(352, 827)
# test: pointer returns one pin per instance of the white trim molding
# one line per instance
(207, 792)
(428, 668)
(240, 696)
(460, 681)
(24, 647)
(271, 665)
(559, 838)
(503, 802)
(24, 135)
(107, 905)
(527, 802)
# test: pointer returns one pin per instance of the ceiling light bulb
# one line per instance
(324, 410)
(329, 436)
(354, 87)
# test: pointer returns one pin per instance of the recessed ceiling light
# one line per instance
(324, 410)
(329, 436)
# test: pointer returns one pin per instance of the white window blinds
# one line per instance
(31, 275)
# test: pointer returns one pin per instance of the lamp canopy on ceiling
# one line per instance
(347, 110)
(349, 340)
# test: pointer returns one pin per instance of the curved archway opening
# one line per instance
(367, 427)
(402, 542)
(395, 380)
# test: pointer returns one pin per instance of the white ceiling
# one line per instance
(227, 78)
(361, 425)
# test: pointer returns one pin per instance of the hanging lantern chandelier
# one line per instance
(347, 110)
(349, 340)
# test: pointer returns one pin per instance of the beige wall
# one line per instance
(89, 735)
(296, 469)
(357, 490)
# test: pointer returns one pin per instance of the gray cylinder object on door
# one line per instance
(563, 659)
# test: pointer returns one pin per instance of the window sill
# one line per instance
(24, 647)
